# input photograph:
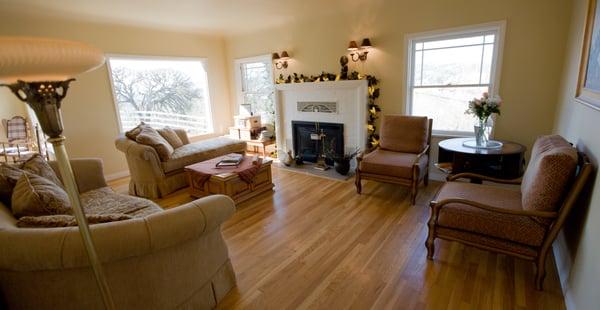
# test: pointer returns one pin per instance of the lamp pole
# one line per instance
(45, 100)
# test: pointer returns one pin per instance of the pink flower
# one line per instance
(486, 95)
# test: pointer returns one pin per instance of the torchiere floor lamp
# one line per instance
(38, 71)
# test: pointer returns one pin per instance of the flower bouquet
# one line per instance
(483, 108)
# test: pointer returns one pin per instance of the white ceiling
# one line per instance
(206, 16)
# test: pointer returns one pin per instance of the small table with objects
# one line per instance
(505, 162)
(240, 183)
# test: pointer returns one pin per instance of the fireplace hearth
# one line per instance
(310, 137)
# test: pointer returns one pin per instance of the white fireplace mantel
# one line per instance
(351, 98)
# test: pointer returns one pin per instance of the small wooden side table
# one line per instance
(507, 162)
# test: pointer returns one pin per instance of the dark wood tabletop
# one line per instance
(456, 145)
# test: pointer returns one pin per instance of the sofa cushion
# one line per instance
(9, 175)
(551, 169)
(403, 133)
(133, 133)
(171, 136)
(149, 136)
(510, 227)
(64, 220)
(202, 150)
(104, 201)
(34, 195)
(394, 164)
(39, 166)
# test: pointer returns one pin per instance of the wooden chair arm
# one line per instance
(469, 175)
(437, 206)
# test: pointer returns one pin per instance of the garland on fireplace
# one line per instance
(373, 87)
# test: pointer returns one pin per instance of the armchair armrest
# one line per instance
(361, 154)
(438, 205)
(424, 152)
(469, 175)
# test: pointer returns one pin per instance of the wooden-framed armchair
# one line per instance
(522, 223)
(402, 156)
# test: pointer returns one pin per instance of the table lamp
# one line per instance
(38, 71)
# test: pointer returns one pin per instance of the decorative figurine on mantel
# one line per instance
(483, 108)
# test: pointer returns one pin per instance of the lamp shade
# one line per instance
(285, 55)
(32, 59)
(352, 46)
(366, 43)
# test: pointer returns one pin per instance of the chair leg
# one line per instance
(426, 178)
(540, 271)
(357, 182)
(430, 242)
(413, 192)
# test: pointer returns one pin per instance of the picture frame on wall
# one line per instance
(588, 85)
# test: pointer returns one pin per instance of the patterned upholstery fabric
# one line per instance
(9, 175)
(34, 195)
(391, 163)
(39, 166)
(197, 152)
(551, 168)
(407, 134)
(515, 228)
(16, 129)
(105, 201)
(487, 241)
(64, 220)
(149, 136)
(171, 136)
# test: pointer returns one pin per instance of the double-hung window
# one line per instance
(255, 88)
(161, 91)
(449, 68)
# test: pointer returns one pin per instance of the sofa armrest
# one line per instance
(143, 161)
(88, 172)
(182, 134)
(29, 249)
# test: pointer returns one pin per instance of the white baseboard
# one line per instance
(563, 267)
(117, 175)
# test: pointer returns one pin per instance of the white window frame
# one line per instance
(238, 77)
(498, 28)
(204, 62)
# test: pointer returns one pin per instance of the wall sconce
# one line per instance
(359, 53)
(281, 62)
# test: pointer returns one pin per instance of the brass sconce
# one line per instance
(281, 62)
(359, 53)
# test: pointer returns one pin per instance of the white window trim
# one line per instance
(204, 62)
(498, 26)
(239, 95)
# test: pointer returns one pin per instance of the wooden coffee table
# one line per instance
(228, 182)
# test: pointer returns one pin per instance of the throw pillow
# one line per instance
(9, 176)
(171, 136)
(133, 133)
(63, 220)
(34, 195)
(149, 136)
(39, 166)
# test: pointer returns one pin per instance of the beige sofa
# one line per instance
(152, 178)
(175, 258)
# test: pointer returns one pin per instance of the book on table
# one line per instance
(230, 160)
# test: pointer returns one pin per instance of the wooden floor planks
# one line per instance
(315, 244)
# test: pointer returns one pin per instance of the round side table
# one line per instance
(506, 162)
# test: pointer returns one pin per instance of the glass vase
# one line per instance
(482, 132)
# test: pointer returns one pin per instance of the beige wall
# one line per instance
(533, 53)
(578, 248)
(89, 110)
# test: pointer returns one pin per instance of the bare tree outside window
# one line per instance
(161, 93)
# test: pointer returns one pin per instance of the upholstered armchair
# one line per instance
(402, 156)
(518, 222)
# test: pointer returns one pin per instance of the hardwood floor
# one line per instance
(316, 244)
